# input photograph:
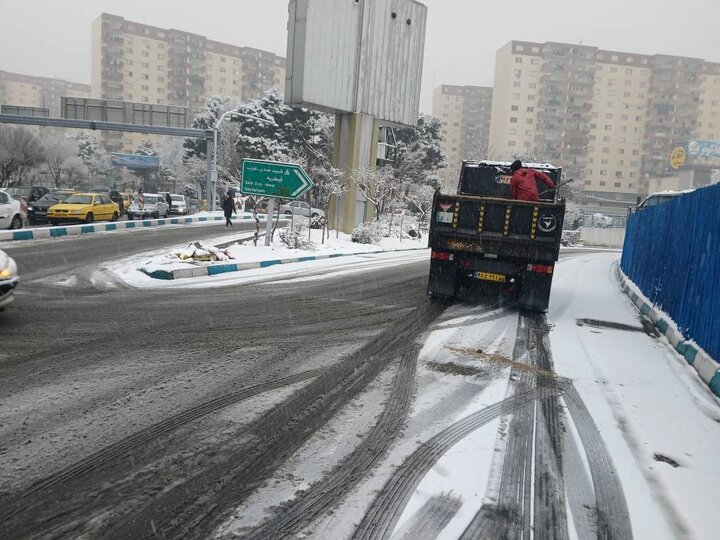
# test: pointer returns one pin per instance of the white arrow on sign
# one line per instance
(304, 186)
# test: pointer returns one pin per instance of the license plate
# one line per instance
(444, 217)
(486, 276)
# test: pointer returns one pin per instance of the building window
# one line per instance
(535, 49)
(606, 139)
(531, 97)
(532, 85)
(603, 161)
(530, 109)
(518, 59)
(516, 96)
(145, 54)
(145, 87)
(608, 116)
(617, 184)
(608, 127)
(161, 79)
(517, 72)
(129, 74)
(160, 90)
(605, 150)
(618, 174)
(161, 57)
(223, 59)
(516, 84)
(513, 107)
(513, 119)
(628, 71)
(128, 50)
(512, 143)
(528, 120)
(512, 131)
(145, 76)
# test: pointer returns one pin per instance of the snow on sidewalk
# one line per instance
(648, 404)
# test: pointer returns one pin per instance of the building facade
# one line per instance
(609, 118)
(43, 92)
(137, 62)
(464, 112)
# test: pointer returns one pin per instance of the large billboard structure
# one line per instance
(361, 60)
(357, 56)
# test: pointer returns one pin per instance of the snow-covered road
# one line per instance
(334, 400)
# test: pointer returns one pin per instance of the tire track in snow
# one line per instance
(530, 495)
(330, 491)
(194, 505)
(36, 494)
(432, 517)
(613, 518)
(387, 507)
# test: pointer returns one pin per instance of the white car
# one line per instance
(8, 279)
(10, 216)
(301, 208)
(179, 204)
(152, 205)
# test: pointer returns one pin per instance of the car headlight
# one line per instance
(30, 207)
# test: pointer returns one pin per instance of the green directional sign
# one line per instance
(274, 179)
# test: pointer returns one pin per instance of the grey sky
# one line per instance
(52, 37)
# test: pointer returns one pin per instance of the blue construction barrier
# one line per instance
(672, 253)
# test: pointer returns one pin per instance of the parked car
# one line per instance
(127, 201)
(10, 216)
(85, 207)
(115, 196)
(153, 205)
(179, 204)
(31, 193)
(8, 279)
(301, 208)
(37, 211)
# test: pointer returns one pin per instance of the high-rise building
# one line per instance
(464, 112)
(136, 62)
(43, 92)
(609, 118)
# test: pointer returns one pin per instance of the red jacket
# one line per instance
(523, 184)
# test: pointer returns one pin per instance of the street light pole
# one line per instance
(214, 174)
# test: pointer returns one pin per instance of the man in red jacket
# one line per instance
(523, 185)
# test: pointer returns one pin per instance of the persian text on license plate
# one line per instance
(486, 276)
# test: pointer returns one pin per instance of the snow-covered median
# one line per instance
(220, 261)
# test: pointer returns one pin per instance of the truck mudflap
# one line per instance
(443, 278)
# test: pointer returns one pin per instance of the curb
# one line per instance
(73, 230)
(706, 367)
(214, 270)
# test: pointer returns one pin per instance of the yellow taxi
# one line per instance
(127, 200)
(85, 207)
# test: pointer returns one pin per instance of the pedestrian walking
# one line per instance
(228, 207)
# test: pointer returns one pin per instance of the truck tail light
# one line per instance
(540, 268)
(441, 256)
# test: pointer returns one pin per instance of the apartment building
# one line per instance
(464, 112)
(610, 118)
(43, 92)
(137, 62)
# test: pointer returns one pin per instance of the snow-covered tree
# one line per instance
(20, 151)
(377, 186)
(145, 148)
(56, 151)
(74, 168)
(93, 156)
(419, 152)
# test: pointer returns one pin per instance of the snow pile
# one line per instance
(199, 252)
(368, 233)
(295, 235)
(373, 232)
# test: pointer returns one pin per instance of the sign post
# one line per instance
(273, 179)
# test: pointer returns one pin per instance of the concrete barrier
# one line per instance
(595, 236)
(707, 368)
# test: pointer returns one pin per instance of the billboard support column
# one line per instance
(354, 152)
